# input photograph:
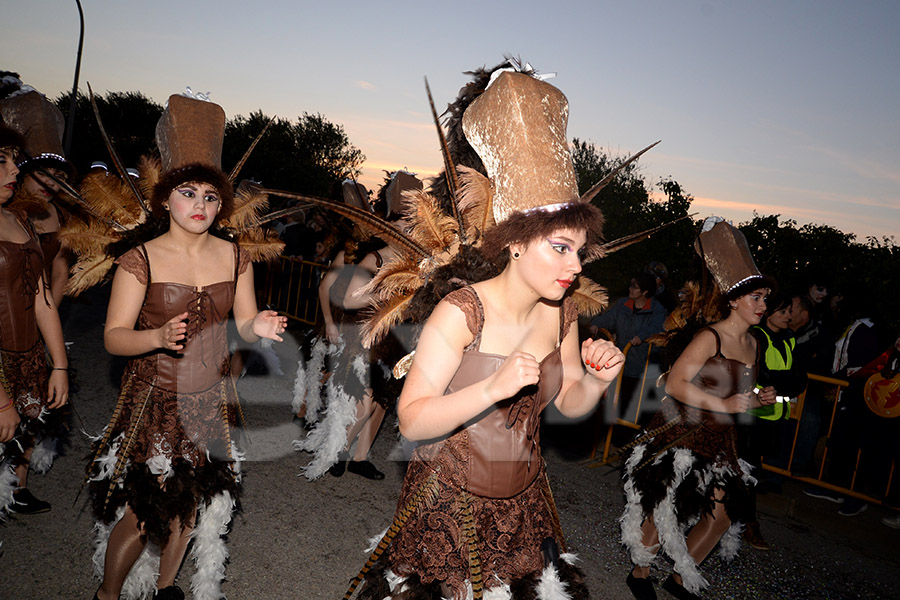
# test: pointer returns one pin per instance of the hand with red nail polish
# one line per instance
(603, 358)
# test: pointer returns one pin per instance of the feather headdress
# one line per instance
(189, 135)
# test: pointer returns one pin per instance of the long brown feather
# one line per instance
(633, 238)
(120, 168)
(396, 277)
(595, 189)
(232, 177)
(86, 238)
(364, 219)
(590, 298)
(384, 317)
(107, 196)
(476, 201)
(449, 167)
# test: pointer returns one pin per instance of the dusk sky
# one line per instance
(781, 107)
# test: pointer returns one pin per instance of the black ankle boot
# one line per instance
(365, 469)
(172, 592)
(641, 587)
(337, 469)
(678, 590)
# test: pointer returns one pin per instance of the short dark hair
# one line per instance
(647, 282)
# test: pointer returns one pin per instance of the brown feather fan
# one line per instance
(384, 317)
(590, 298)
(150, 169)
(87, 273)
(262, 245)
(431, 227)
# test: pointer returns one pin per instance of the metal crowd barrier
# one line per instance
(292, 288)
(836, 385)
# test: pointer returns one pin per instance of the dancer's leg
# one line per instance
(369, 431)
(172, 554)
(364, 409)
(704, 536)
(22, 469)
(122, 550)
(650, 539)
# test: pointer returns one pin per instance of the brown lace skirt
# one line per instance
(436, 541)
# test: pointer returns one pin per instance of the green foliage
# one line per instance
(306, 157)
(865, 273)
(630, 207)
(129, 119)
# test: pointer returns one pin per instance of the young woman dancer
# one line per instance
(167, 470)
(31, 393)
(684, 483)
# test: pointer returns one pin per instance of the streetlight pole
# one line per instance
(71, 120)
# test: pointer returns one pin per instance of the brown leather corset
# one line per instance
(20, 270)
(504, 454)
(204, 360)
(722, 377)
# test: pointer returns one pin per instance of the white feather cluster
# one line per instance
(8, 484)
(45, 451)
(209, 550)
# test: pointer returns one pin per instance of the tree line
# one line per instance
(310, 155)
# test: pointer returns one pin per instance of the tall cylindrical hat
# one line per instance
(725, 252)
(190, 135)
(518, 128)
(42, 125)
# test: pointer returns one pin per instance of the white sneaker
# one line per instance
(892, 522)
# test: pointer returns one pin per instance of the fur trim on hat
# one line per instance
(197, 173)
(526, 226)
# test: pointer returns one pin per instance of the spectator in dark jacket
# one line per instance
(631, 321)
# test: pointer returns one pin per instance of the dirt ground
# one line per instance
(300, 539)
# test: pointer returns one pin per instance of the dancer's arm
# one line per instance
(9, 417)
(119, 335)
(331, 330)
(582, 389)
(679, 382)
(47, 318)
(423, 409)
(252, 325)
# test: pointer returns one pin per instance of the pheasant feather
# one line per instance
(595, 189)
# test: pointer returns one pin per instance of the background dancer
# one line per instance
(685, 468)
(343, 374)
(166, 469)
(32, 394)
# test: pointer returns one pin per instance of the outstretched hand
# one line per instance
(173, 333)
(268, 324)
(602, 359)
